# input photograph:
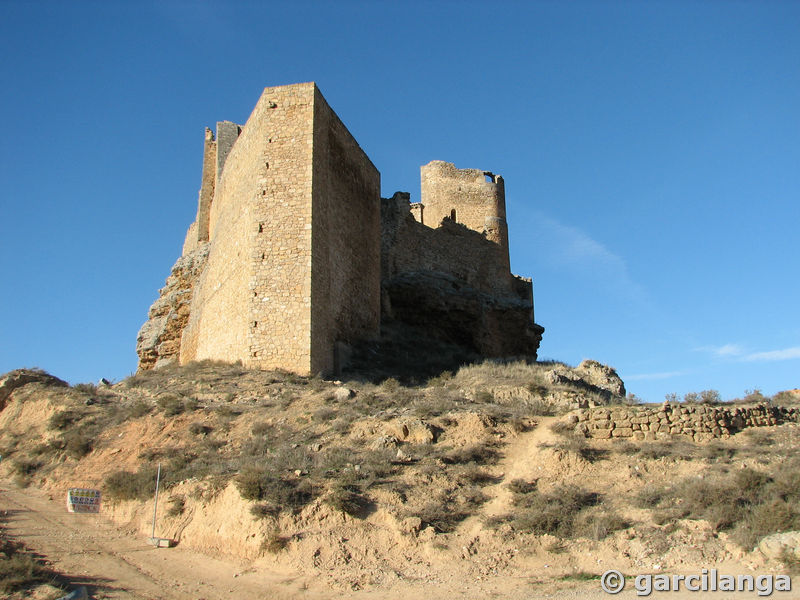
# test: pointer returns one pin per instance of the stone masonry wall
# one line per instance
(345, 275)
(280, 245)
(451, 248)
(476, 198)
(454, 282)
(696, 422)
(253, 300)
(298, 251)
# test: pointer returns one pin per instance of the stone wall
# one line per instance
(298, 250)
(452, 248)
(455, 283)
(696, 422)
(345, 263)
(293, 227)
(474, 198)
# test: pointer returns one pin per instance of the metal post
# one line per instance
(155, 505)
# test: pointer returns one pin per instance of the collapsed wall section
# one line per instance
(345, 276)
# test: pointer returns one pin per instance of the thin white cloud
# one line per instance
(774, 355)
(727, 350)
(653, 376)
(570, 247)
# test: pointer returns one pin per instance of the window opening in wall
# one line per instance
(453, 215)
(489, 176)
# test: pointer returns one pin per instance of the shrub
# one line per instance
(257, 483)
(710, 397)
(25, 467)
(562, 427)
(20, 569)
(390, 385)
(274, 542)
(520, 486)
(324, 415)
(346, 500)
(262, 428)
(480, 454)
(125, 485)
(263, 510)
(89, 389)
(197, 428)
(554, 513)
(137, 409)
(443, 517)
(77, 444)
(691, 398)
(754, 396)
(63, 419)
(484, 397)
(171, 405)
(177, 504)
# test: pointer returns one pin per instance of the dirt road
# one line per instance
(115, 565)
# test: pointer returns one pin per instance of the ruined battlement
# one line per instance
(293, 255)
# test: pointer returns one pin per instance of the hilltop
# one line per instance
(495, 478)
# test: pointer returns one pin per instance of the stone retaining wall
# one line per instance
(699, 423)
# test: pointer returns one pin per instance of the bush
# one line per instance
(62, 420)
(257, 483)
(264, 510)
(89, 389)
(137, 409)
(555, 513)
(171, 405)
(77, 444)
(710, 397)
(125, 485)
(562, 427)
(480, 454)
(199, 429)
(274, 542)
(748, 503)
(177, 504)
(520, 486)
(347, 501)
(20, 569)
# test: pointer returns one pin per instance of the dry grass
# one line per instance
(20, 569)
(566, 512)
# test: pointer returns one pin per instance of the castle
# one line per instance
(294, 256)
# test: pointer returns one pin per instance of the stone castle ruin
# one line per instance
(294, 256)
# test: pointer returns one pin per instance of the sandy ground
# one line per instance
(114, 564)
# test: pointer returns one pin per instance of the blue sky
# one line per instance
(651, 153)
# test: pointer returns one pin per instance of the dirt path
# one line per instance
(519, 462)
(111, 564)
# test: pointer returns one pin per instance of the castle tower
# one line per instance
(292, 218)
(474, 198)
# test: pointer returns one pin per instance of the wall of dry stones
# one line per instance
(698, 423)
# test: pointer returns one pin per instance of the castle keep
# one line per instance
(294, 256)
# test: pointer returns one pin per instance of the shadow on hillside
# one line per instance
(408, 354)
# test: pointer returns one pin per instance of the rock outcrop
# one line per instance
(19, 377)
(159, 339)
